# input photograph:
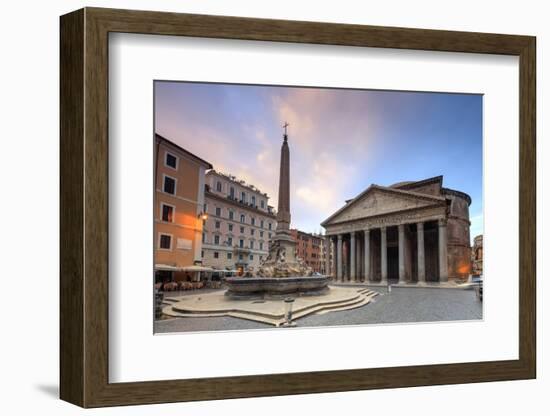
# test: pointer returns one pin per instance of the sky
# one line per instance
(341, 140)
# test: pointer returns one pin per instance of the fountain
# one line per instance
(282, 273)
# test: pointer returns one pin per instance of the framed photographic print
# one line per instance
(255, 207)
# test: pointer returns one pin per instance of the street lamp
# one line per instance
(203, 216)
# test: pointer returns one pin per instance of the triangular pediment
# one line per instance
(378, 200)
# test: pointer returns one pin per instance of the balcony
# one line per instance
(241, 250)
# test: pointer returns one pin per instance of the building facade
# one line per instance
(178, 205)
(239, 226)
(308, 248)
(408, 232)
(477, 256)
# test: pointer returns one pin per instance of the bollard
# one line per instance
(288, 312)
(159, 296)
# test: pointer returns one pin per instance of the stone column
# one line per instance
(352, 251)
(443, 274)
(401, 251)
(327, 255)
(384, 255)
(339, 258)
(420, 250)
(358, 258)
(333, 252)
(367, 256)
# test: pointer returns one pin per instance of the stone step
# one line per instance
(344, 305)
(305, 309)
(360, 298)
(364, 302)
(279, 319)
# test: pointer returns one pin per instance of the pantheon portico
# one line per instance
(408, 232)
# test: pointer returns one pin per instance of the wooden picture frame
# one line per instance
(84, 207)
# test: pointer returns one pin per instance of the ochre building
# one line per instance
(408, 232)
(179, 201)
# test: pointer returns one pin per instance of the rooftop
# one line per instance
(162, 139)
(237, 181)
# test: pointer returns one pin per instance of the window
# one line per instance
(243, 196)
(230, 241)
(218, 186)
(232, 193)
(202, 253)
(169, 185)
(252, 231)
(253, 221)
(242, 230)
(204, 208)
(243, 218)
(262, 245)
(217, 224)
(165, 242)
(261, 233)
(216, 254)
(240, 256)
(241, 243)
(262, 223)
(262, 203)
(230, 226)
(218, 212)
(252, 245)
(229, 256)
(231, 215)
(171, 161)
(251, 257)
(269, 235)
(216, 239)
(204, 237)
(253, 200)
(269, 225)
(167, 213)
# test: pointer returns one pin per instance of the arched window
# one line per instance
(242, 218)
(218, 186)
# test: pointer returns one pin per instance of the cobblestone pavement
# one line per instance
(401, 305)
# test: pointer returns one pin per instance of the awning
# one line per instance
(196, 268)
(166, 267)
(193, 268)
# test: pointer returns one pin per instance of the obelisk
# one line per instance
(282, 260)
(283, 211)
(283, 241)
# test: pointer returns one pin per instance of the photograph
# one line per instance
(292, 206)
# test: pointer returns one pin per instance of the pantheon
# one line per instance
(409, 232)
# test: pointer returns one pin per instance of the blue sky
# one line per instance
(340, 140)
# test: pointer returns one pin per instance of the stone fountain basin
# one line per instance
(276, 287)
